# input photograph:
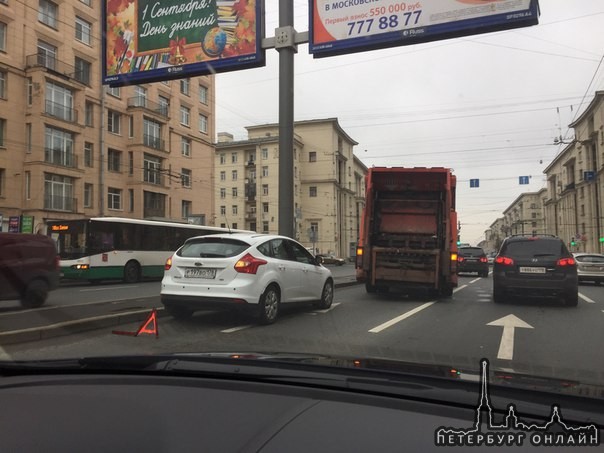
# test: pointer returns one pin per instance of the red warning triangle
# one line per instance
(149, 326)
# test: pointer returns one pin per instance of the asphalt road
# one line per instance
(540, 337)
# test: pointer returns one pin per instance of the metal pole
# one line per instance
(286, 124)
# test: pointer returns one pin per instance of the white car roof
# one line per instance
(250, 238)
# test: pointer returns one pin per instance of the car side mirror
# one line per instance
(319, 260)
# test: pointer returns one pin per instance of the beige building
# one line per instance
(71, 149)
(329, 184)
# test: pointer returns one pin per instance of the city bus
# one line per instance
(107, 248)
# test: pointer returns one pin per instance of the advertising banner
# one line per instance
(27, 224)
(154, 40)
(347, 26)
(13, 224)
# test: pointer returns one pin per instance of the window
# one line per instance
(130, 126)
(312, 191)
(58, 193)
(264, 171)
(140, 96)
(29, 87)
(533, 215)
(82, 70)
(222, 192)
(58, 147)
(28, 137)
(203, 94)
(114, 198)
(234, 209)
(152, 169)
(234, 175)
(114, 91)
(59, 102)
(28, 185)
(235, 225)
(89, 114)
(2, 178)
(265, 226)
(185, 146)
(222, 158)
(234, 158)
(164, 105)
(222, 210)
(185, 176)
(131, 200)
(3, 28)
(88, 155)
(87, 2)
(114, 120)
(47, 55)
(264, 153)
(130, 163)
(312, 156)
(223, 175)
(265, 208)
(187, 208)
(234, 192)
(203, 123)
(184, 86)
(47, 13)
(185, 113)
(264, 189)
(114, 160)
(87, 195)
(2, 131)
(152, 134)
(83, 30)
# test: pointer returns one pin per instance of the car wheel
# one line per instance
(485, 274)
(326, 296)
(268, 308)
(179, 312)
(35, 294)
(498, 296)
(132, 272)
(572, 300)
(447, 291)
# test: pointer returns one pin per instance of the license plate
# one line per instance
(532, 270)
(200, 273)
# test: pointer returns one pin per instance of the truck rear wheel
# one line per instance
(447, 291)
(370, 288)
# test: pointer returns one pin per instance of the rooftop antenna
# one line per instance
(227, 224)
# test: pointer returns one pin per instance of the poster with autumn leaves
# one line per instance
(147, 35)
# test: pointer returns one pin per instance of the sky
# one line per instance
(488, 106)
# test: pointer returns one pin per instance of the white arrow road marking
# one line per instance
(326, 310)
(509, 323)
(586, 299)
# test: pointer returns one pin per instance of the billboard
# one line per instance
(153, 40)
(347, 26)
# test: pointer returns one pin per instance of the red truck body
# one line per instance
(408, 236)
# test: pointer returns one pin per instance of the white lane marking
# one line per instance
(393, 321)
(106, 289)
(586, 299)
(74, 322)
(327, 309)
(506, 345)
(54, 307)
(459, 288)
(3, 354)
(475, 280)
(236, 329)
(484, 299)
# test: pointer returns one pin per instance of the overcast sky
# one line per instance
(489, 106)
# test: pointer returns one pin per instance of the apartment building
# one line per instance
(328, 184)
(71, 148)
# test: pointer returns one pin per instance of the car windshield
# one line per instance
(325, 182)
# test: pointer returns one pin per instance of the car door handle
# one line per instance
(281, 267)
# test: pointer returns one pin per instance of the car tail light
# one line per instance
(460, 259)
(249, 264)
(504, 260)
(168, 264)
(566, 262)
(484, 259)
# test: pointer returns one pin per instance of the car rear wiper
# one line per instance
(543, 254)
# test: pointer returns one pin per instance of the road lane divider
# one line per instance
(459, 288)
(237, 329)
(475, 280)
(587, 299)
(400, 318)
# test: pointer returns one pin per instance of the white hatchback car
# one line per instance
(257, 272)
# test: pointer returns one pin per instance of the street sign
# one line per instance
(523, 179)
(589, 175)
(474, 183)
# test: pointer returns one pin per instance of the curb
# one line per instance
(94, 323)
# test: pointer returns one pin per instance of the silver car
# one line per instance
(590, 267)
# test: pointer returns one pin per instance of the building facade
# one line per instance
(71, 148)
(329, 184)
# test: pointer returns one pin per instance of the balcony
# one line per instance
(142, 102)
(56, 203)
(58, 157)
(152, 176)
(41, 60)
(154, 142)
(250, 215)
(569, 187)
(61, 111)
